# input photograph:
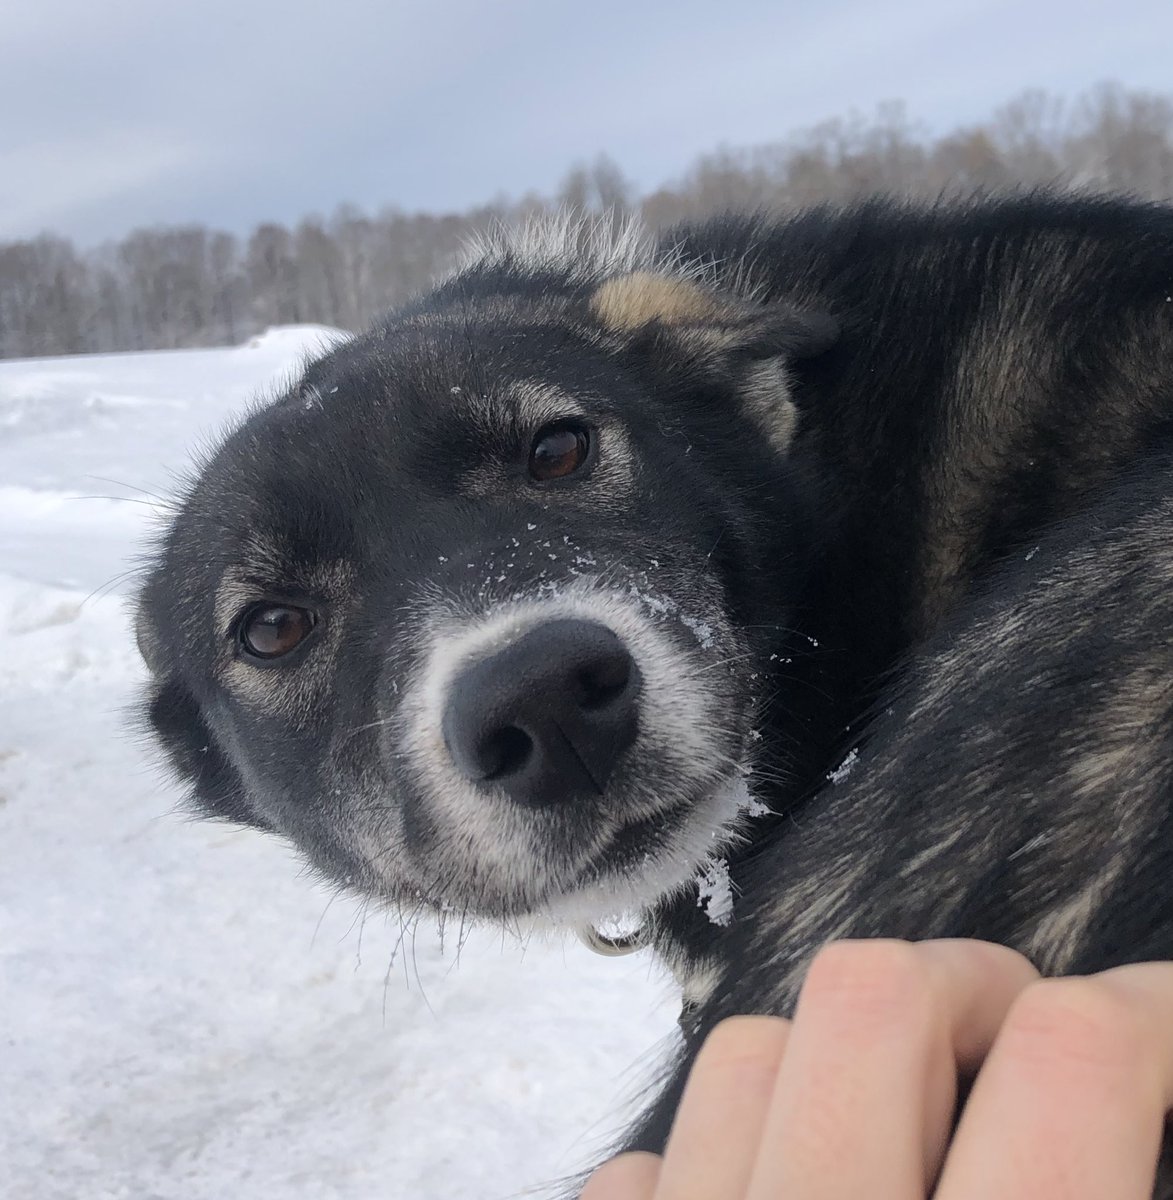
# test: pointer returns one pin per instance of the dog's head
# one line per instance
(477, 613)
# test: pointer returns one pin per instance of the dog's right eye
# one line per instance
(559, 450)
(274, 630)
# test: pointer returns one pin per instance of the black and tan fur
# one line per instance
(815, 441)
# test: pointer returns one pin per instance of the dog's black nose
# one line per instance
(547, 717)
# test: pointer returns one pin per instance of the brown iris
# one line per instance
(558, 451)
(274, 630)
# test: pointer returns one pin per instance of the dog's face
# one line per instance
(474, 613)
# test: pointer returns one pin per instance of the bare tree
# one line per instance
(191, 286)
(272, 272)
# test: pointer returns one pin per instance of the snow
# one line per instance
(715, 894)
(844, 769)
(185, 1013)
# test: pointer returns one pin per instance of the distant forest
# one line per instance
(161, 288)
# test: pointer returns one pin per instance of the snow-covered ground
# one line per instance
(182, 1012)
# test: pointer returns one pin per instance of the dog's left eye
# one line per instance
(274, 630)
(559, 450)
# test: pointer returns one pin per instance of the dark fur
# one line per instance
(964, 378)
(1016, 786)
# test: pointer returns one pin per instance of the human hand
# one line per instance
(856, 1096)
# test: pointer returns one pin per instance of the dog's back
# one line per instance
(1015, 787)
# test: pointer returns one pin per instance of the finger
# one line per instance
(1074, 1094)
(714, 1140)
(627, 1177)
(866, 1094)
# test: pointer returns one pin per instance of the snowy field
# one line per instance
(184, 1013)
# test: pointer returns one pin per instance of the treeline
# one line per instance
(192, 286)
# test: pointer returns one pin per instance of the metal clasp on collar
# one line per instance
(613, 947)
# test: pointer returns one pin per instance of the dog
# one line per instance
(559, 594)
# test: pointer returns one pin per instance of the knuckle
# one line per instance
(871, 978)
(1075, 1025)
(994, 957)
(737, 1041)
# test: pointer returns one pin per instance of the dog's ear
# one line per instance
(147, 639)
(172, 716)
(216, 789)
(744, 344)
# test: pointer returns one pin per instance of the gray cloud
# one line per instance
(133, 112)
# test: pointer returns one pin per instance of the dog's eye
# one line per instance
(273, 630)
(559, 450)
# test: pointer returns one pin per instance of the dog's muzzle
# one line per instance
(546, 718)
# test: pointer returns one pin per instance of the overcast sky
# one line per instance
(120, 113)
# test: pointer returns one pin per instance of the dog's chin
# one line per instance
(611, 889)
(648, 863)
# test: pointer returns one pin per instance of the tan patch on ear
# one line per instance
(765, 397)
(634, 300)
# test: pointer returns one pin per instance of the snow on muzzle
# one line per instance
(544, 698)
